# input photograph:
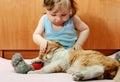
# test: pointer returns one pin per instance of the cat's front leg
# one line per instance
(45, 69)
(36, 60)
(36, 72)
(50, 68)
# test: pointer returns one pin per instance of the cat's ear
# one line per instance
(57, 42)
(54, 44)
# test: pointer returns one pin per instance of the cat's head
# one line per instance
(51, 47)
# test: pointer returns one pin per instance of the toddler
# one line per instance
(60, 23)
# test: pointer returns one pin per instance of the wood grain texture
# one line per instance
(1, 54)
(19, 18)
(27, 54)
(102, 16)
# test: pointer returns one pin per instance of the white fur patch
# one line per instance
(89, 72)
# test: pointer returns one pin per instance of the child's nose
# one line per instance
(59, 19)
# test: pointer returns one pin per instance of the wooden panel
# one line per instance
(27, 54)
(108, 52)
(103, 18)
(18, 20)
(1, 53)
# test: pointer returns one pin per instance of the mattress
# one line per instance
(7, 74)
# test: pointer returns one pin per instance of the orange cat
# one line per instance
(82, 64)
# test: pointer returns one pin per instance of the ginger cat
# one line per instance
(82, 64)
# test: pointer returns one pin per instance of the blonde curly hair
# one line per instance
(57, 4)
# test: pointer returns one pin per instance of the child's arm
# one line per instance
(37, 35)
(84, 32)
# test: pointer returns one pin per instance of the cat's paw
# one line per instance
(69, 71)
(36, 72)
(35, 60)
(78, 76)
(31, 72)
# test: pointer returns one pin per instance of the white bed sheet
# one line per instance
(7, 74)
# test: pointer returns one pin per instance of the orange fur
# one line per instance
(117, 77)
(90, 57)
(82, 59)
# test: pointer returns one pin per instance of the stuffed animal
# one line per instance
(117, 56)
(20, 66)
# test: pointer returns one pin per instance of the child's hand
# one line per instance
(43, 45)
(77, 47)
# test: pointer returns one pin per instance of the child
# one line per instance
(60, 23)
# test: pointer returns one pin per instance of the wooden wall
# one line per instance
(1, 53)
(103, 18)
(19, 18)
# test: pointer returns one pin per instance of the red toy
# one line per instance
(37, 65)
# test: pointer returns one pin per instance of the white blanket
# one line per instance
(7, 74)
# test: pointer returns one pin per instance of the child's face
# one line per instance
(58, 17)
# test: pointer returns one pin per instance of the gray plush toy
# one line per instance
(19, 64)
(117, 56)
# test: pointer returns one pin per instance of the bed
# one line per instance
(7, 74)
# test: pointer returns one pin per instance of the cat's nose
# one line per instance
(46, 57)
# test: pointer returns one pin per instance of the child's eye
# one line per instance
(53, 15)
